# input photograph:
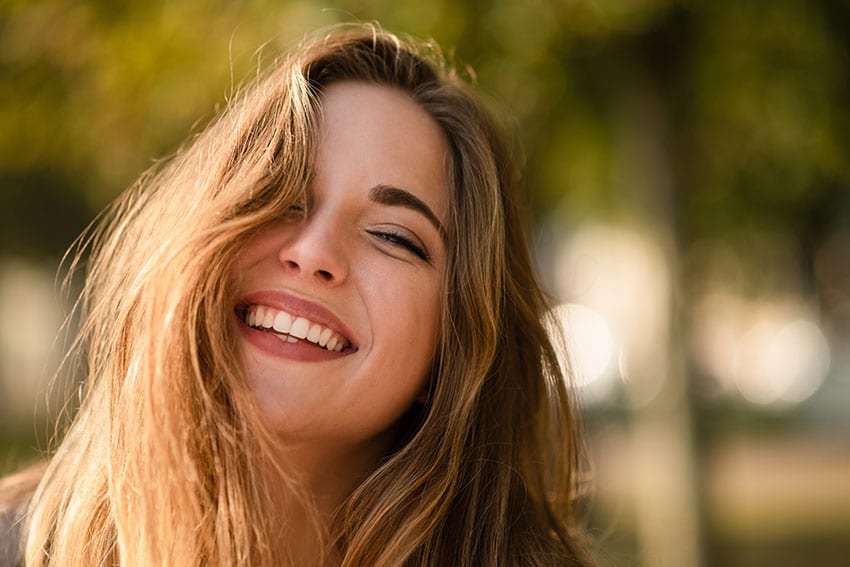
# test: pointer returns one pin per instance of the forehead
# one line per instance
(374, 134)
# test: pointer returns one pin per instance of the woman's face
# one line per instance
(339, 306)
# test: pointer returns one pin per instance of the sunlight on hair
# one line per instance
(591, 347)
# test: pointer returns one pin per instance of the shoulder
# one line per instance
(15, 494)
(11, 531)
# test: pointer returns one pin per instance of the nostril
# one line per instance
(325, 275)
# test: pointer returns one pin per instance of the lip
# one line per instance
(298, 307)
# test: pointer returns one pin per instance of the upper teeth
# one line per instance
(270, 318)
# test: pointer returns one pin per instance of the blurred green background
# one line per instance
(688, 177)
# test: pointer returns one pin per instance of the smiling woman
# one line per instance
(298, 351)
(361, 266)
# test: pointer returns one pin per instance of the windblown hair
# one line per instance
(166, 460)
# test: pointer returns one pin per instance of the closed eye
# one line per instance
(403, 242)
(296, 210)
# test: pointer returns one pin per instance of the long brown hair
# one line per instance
(164, 463)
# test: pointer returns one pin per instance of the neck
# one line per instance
(324, 481)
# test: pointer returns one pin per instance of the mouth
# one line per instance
(290, 328)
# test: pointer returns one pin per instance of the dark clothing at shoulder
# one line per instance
(16, 491)
(11, 531)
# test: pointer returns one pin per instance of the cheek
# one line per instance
(263, 245)
(406, 319)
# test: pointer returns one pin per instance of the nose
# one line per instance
(315, 250)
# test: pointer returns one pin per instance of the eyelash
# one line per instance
(295, 210)
(404, 242)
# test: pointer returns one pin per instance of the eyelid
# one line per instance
(295, 210)
(406, 239)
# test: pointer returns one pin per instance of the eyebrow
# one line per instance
(395, 197)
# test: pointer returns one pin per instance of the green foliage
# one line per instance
(729, 112)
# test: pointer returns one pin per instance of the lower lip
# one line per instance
(302, 350)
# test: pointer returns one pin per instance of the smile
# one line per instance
(292, 329)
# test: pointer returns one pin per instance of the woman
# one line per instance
(314, 337)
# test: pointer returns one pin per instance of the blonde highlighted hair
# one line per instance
(167, 460)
